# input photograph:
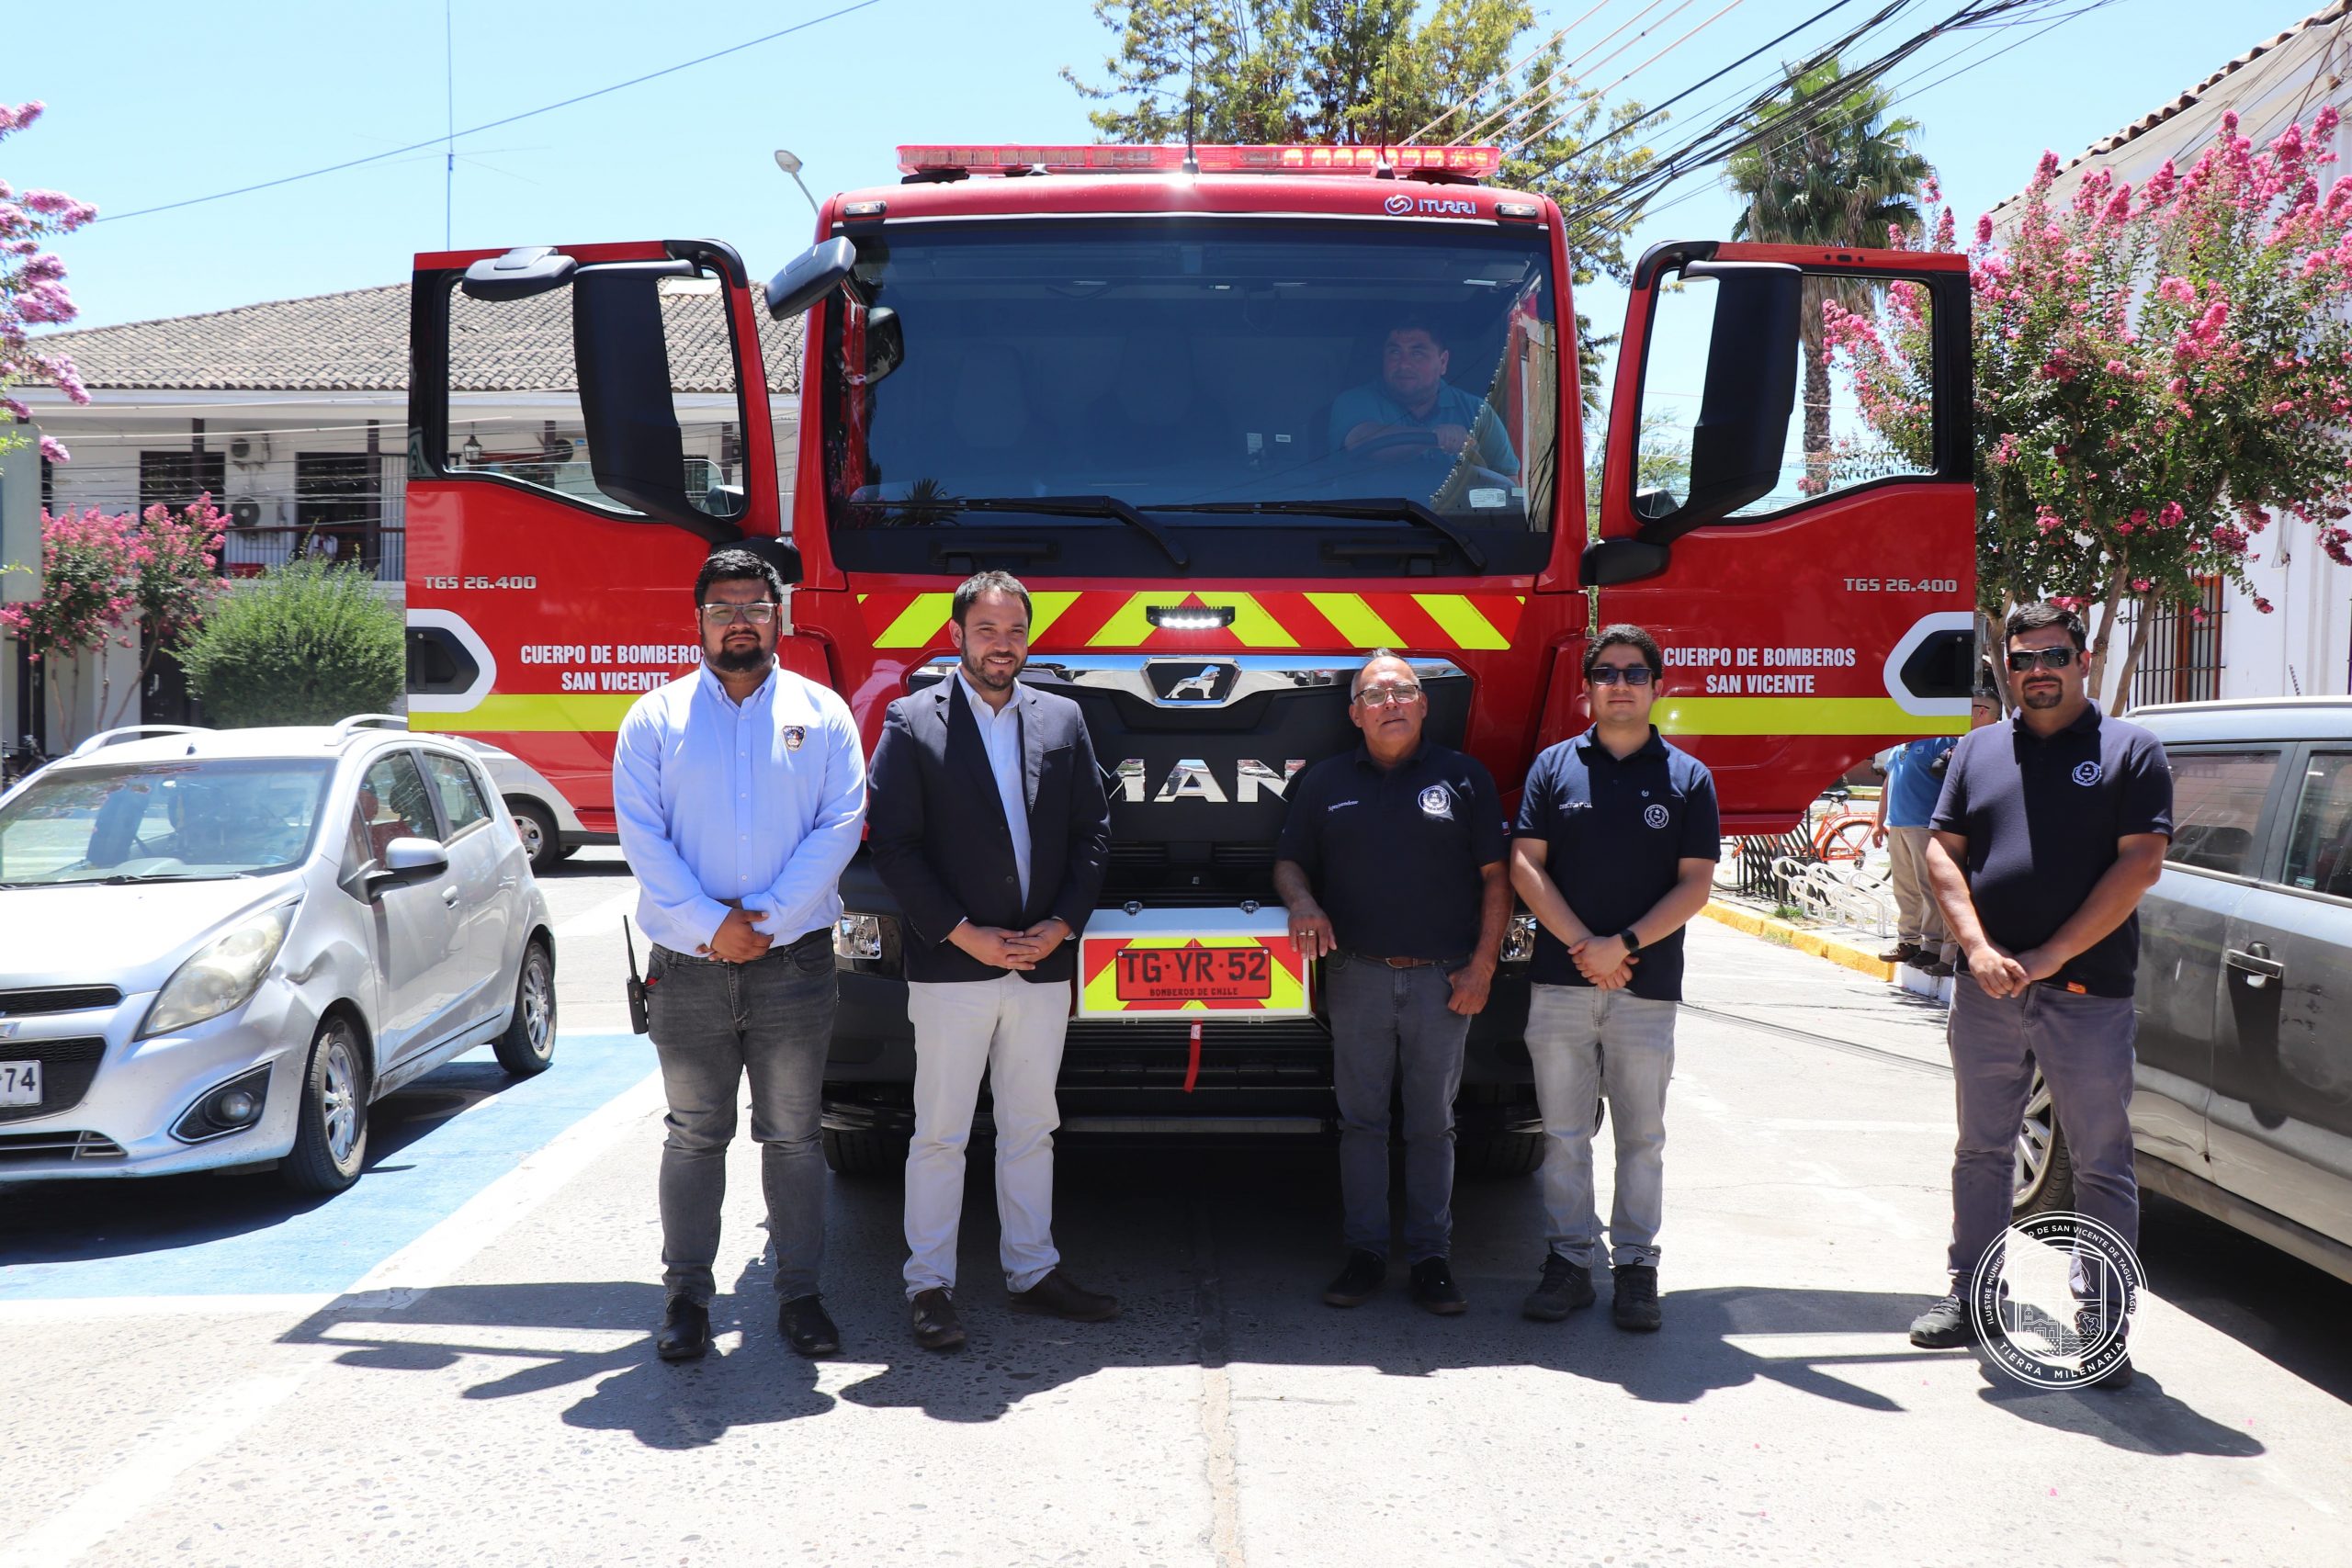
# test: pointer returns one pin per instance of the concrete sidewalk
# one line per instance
(1849, 946)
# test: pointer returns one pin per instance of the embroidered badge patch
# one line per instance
(793, 735)
(1436, 802)
(1654, 816)
(2086, 772)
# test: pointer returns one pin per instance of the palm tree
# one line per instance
(1840, 173)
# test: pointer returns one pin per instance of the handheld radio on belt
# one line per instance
(640, 1010)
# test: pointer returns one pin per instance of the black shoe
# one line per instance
(1434, 1288)
(1058, 1295)
(1359, 1281)
(1565, 1287)
(1946, 1326)
(1634, 1306)
(686, 1331)
(1937, 970)
(1901, 953)
(936, 1327)
(806, 1327)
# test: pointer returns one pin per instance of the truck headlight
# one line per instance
(1519, 942)
(866, 945)
(222, 975)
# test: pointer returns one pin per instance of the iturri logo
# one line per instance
(1399, 205)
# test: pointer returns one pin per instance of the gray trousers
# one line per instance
(713, 1023)
(1587, 1043)
(1392, 1031)
(2083, 1047)
(1917, 919)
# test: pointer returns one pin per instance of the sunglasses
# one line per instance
(1610, 674)
(2022, 658)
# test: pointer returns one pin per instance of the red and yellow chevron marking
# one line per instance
(1097, 967)
(1263, 622)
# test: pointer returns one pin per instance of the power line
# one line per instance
(1565, 72)
(450, 137)
(1456, 108)
(1567, 87)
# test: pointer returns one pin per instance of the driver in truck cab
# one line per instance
(1412, 409)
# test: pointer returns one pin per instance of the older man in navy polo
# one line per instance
(1391, 861)
(1614, 852)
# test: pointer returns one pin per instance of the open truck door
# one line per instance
(1815, 600)
(607, 402)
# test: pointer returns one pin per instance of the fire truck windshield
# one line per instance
(1228, 380)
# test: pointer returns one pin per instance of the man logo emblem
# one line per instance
(1437, 803)
(1189, 682)
(1655, 815)
(1202, 686)
(2086, 774)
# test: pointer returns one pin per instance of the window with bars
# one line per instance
(175, 478)
(2181, 660)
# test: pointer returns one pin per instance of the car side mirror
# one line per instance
(1750, 392)
(408, 862)
(812, 275)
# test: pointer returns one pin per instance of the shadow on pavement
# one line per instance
(2140, 1419)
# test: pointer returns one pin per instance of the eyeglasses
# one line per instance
(1388, 696)
(759, 612)
(1610, 674)
(2048, 658)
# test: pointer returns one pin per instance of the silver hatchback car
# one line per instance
(217, 948)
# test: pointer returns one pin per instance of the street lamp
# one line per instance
(790, 163)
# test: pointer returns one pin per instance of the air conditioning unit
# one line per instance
(244, 512)
(249, 451)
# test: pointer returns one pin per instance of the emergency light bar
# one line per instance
(1475, 161)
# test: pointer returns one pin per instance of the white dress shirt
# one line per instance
(1000, 734)
(758, 802)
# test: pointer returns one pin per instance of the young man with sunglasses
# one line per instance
(1615, 853)
(1391, 861)
(2049, 831)
(739, 791)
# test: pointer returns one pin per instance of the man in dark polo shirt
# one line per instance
(1614, 852)
(2048, 831)
(1391, 861)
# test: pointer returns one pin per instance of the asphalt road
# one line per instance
(449, 1363)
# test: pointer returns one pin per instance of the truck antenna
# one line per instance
(1191, 99)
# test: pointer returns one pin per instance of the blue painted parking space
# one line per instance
(433, 1146)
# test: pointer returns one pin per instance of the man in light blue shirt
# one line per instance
(1412, 411)
(740, 792)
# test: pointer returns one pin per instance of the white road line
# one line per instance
(153, 1466)
(605, 917)
(148, 1469)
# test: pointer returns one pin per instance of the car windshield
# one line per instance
(181, 820)
(1229, 379)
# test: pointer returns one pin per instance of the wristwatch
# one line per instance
(1633, 943)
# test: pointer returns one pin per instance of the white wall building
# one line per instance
(2304, 647)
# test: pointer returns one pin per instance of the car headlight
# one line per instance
(222, 974)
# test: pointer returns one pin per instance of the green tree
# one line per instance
(1362, 73)
(307, 643)
(1839, 173)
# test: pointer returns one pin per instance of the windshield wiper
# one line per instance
(1385, 508)
(1109, 506)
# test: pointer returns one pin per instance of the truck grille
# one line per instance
(67, 1068)
(1288, 1054)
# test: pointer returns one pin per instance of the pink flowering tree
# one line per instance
(32, 290)
(136, 581)
(2164, 380)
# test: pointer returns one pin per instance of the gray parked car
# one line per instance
(222, 946)
(2244, 1102)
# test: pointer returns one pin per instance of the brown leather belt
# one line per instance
(1399, 963)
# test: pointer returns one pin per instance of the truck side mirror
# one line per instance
(812, 275)
(886, 342)
(636, 450)
(1750, 392)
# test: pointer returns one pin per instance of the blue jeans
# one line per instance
(714, 1021)
(2083, 1047)
(1391, 1030)
(1586, 1043)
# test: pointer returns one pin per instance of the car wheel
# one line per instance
(535, 825)
(2045, 1171)
(528, 1045)
(865, 1153)
(331, 1127)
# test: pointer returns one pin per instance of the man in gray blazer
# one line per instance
(988, 824)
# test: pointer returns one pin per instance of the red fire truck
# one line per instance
(1128, 375)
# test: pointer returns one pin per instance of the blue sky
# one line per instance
(153, 103)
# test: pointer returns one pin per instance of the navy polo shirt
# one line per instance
(1394, 855)
(1617, 832)
(2041, 818)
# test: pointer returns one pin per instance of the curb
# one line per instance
(1804, 941)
